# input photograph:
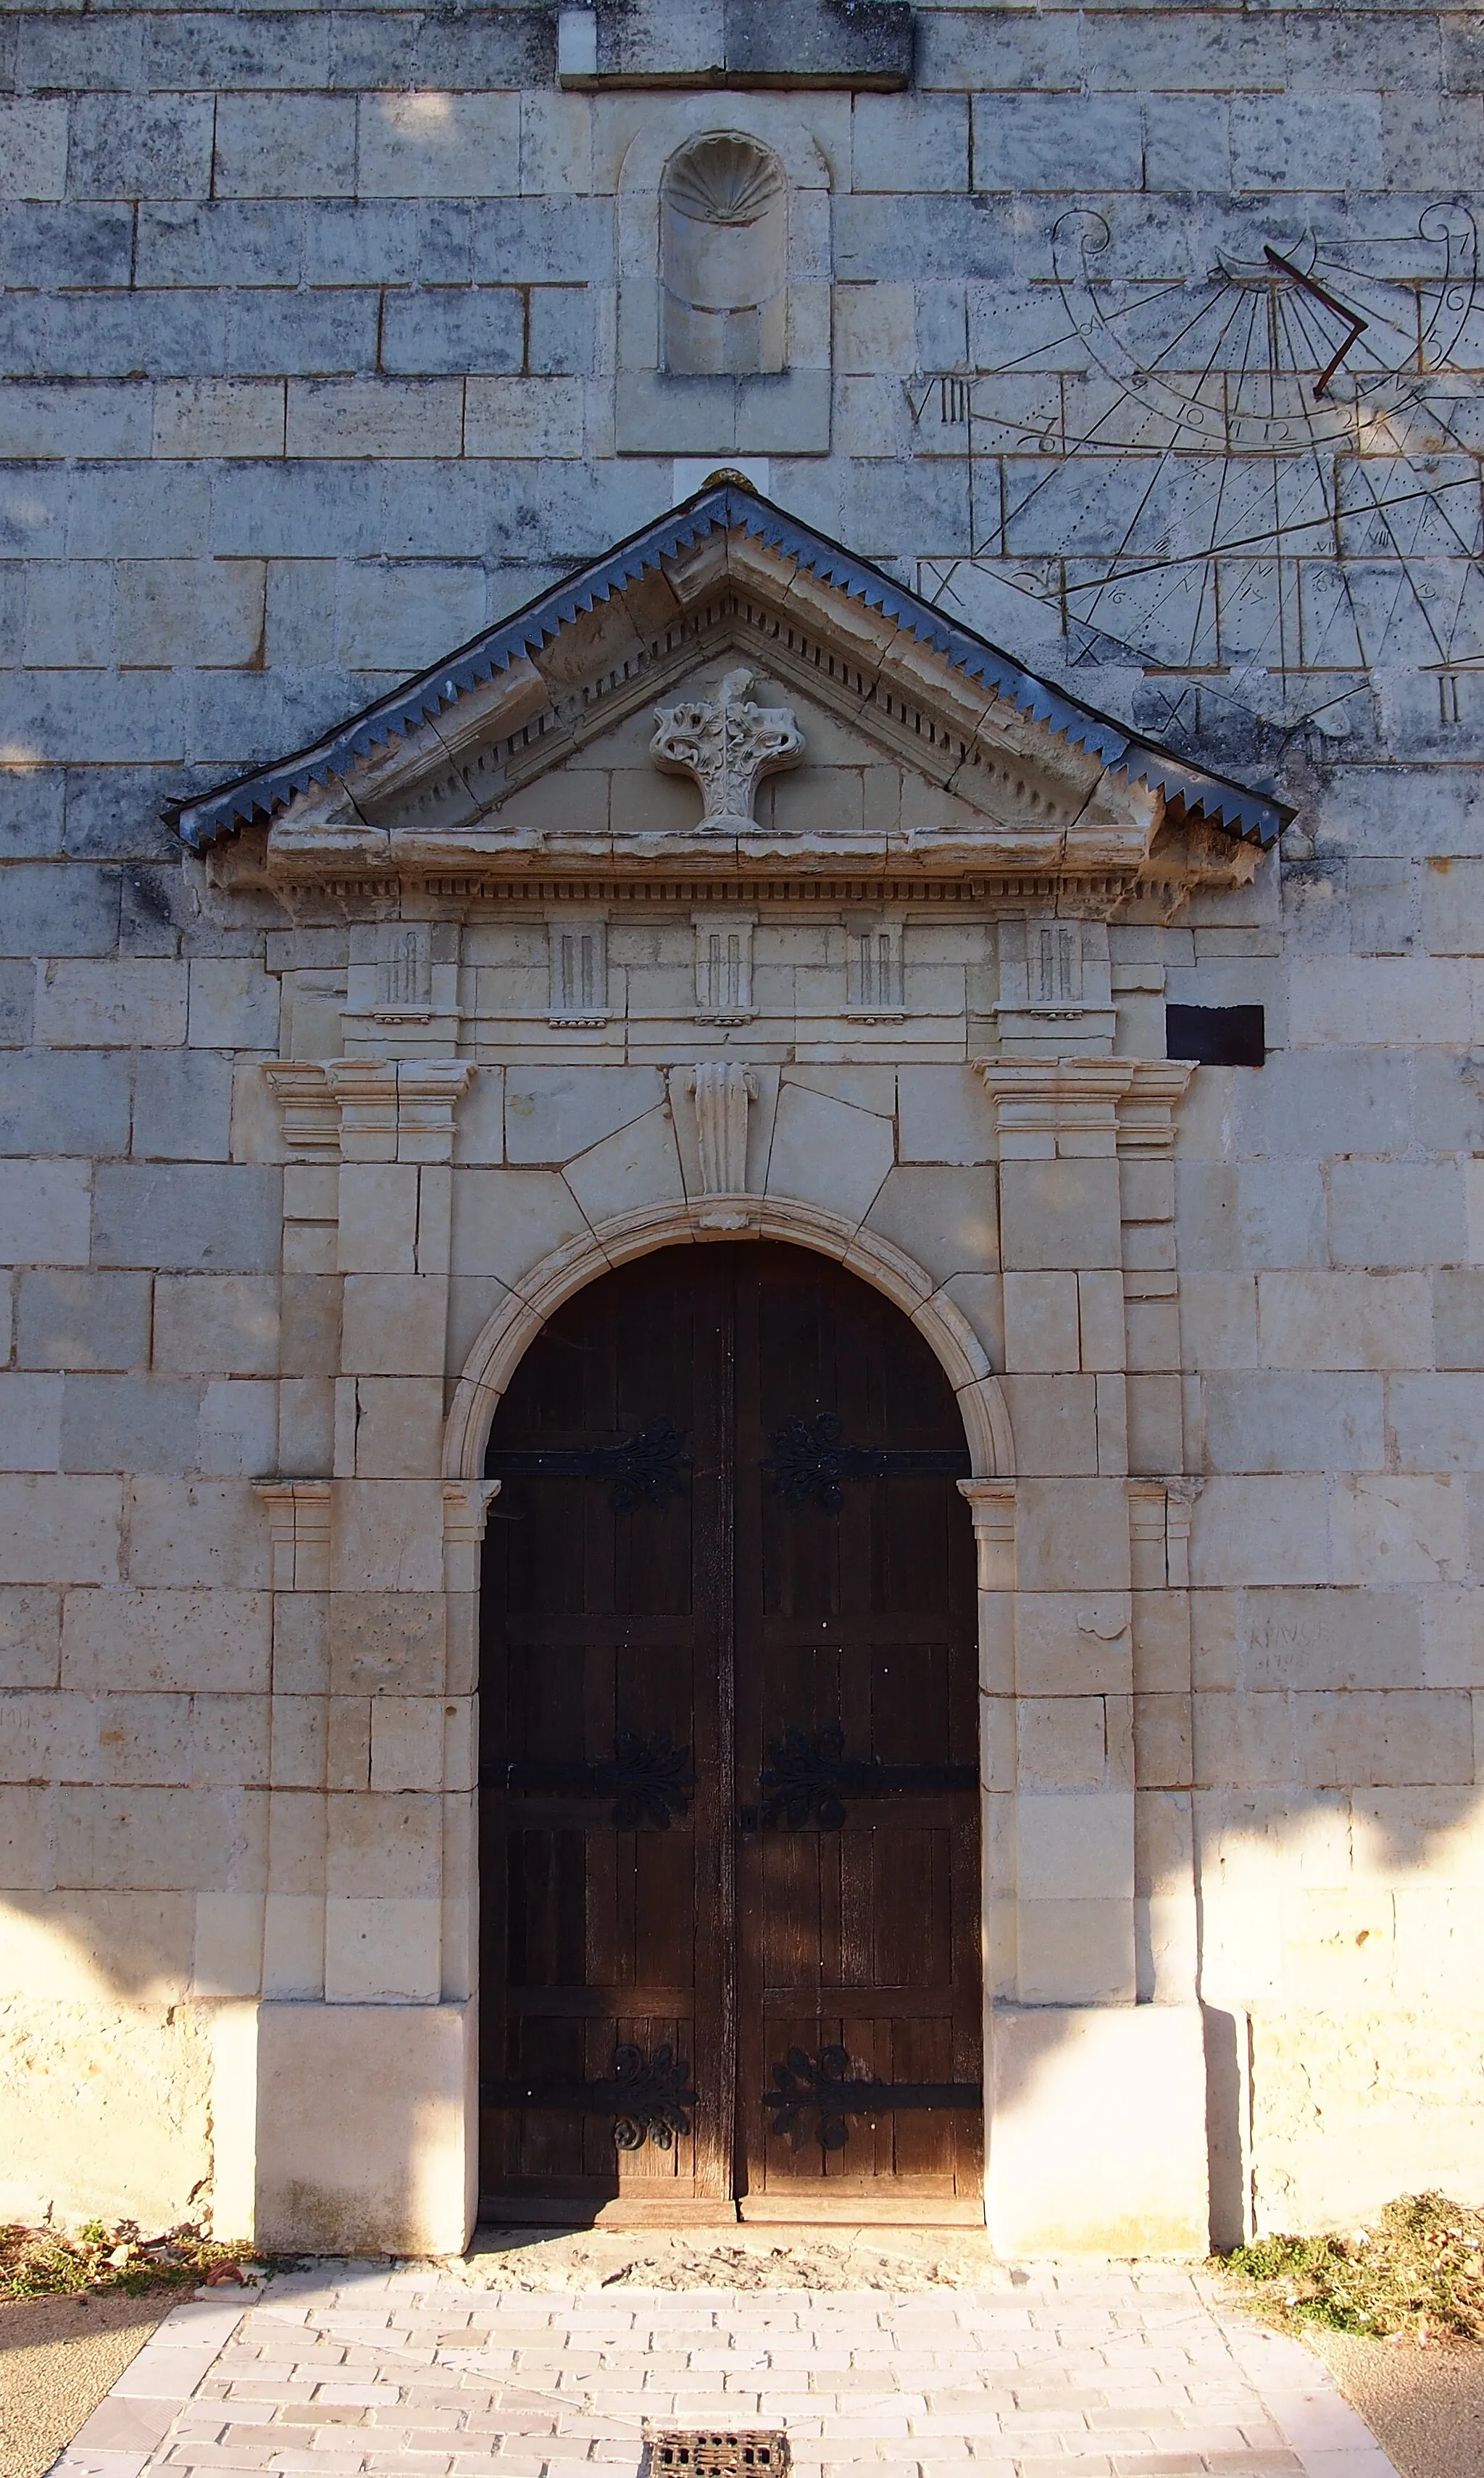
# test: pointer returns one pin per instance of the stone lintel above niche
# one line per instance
(864, 44)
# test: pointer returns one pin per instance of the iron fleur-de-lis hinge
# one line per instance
(810, 1462)
(809, 1776)
(642, 1470)
(647, 2097)
(823, 2088)
(649, 1780)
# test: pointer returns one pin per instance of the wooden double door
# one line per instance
(729, 1758)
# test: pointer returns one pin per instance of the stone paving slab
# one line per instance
(1061, 2371)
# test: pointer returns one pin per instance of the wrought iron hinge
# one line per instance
(647, 2097)
(823, 2088)
(649, 1780)
(809, 1462)
(644, 1470)
(808, 1776)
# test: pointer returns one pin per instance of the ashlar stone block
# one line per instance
(944, 1219)
(1399, 1530)
(828, 1153)
(29, 1638)
(83, 1321)
(1042, 1328)
(1356, 1320)
(1059, 1215)
(33, 148)
(196, 1532)
(387, 1641)
(1071, 1535)
(30, 1422)
(222, 1218)
(181, 1106)
(139, 1639)
(129, 1424)
(449, 145)
(44, 1213)
(1260, 1529)
(382, 1949)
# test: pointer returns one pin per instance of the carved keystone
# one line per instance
(720, 1093)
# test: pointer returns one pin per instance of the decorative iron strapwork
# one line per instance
(809, 1462)
(809, 1776)
(645, 2097)
(649, 1780)
(643, 1470)
(823, 2088)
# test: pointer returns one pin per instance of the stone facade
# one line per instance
(332, 336)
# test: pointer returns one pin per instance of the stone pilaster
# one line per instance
(467, 1505)
(1061, 1239)
(1146, 1181)
(991, 1504)
(1088, 2083)
(299, 1517)
(369, 1944)
(376, 1732)
(1164, 1912)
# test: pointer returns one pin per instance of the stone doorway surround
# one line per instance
(984, 1139)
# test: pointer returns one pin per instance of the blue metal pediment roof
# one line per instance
(727, 507)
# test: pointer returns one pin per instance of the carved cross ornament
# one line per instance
(727, 745)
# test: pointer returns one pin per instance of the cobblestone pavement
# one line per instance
(1089, 2371)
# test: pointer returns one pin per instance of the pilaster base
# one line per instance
(366, 2129)
(1097, 2132)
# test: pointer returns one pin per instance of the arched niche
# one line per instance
(724, 325)
(724, 258)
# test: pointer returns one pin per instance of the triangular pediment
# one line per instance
(926, 752)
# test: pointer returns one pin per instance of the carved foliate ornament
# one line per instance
(726, 744)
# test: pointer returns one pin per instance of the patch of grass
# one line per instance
(1418, 2274)
(104, 2258)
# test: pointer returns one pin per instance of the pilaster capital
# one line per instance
(467, 1505)
(298, 1515)
(1136, 1097)
(991, 1504)
(369, 1109)
(1160, 1507)
(1045, 1105)
(1146, 1121)
(312, 1118)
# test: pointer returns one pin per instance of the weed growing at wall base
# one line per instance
(1419, 2274)
(43, 2262)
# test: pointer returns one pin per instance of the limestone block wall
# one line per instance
(310, 362)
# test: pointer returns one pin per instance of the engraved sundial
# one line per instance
(1267, 480)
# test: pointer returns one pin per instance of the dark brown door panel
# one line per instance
(729, 1756)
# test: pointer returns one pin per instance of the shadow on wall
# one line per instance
(1344, 2042)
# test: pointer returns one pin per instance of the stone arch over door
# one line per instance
(745, 1593)
(506, 1337)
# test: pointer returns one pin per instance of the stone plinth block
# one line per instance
(365, 2128)
(1098, 2131)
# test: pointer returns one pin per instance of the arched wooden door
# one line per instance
(729, 1757)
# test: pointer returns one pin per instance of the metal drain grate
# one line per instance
(755, 2452)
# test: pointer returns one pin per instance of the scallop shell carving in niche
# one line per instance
(725, 180)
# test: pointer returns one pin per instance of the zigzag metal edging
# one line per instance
(724, 508)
